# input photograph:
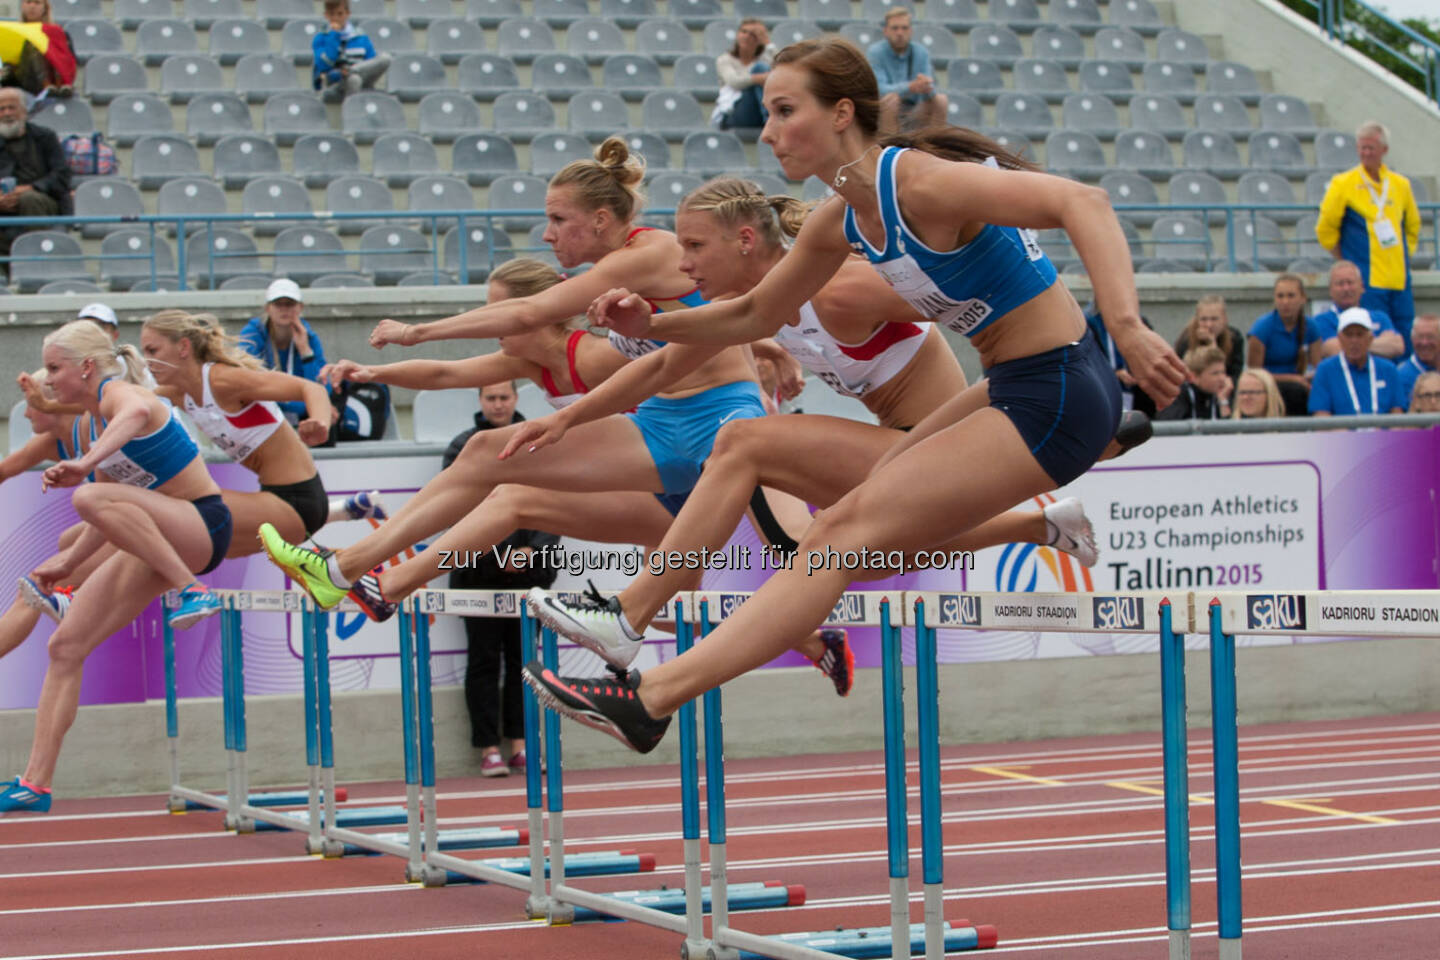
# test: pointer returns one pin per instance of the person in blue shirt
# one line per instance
(283, 340)
(1280, 342)
(1355, 380)
(345, 59)
(1346, 290)
(1425, 338)
(906, 78)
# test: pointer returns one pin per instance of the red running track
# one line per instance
(1059, 844)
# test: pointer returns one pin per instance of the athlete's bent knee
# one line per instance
(66, 650)
(739, 438)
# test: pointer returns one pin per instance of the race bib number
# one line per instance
(907, 279)
(128, 472)
(1385, 233)
(632, 347)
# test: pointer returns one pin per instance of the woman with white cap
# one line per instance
(103, 315)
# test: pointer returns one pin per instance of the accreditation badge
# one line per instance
(1385, 234)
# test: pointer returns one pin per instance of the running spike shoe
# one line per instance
(196, 603)
(838, 660)
(609, 704)
(53, 605)
(1068, 529)
(17, 796)
(306, 567)
(366, 593)
(594, 623)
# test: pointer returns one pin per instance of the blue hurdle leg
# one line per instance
(689, 809)
(243, 824)
(1227, 785)
(407, 722)
(715, 795)
(927, 695)
(172, 712)
(537, 903)
(896, 828)
(555, 911)
(1177, 785)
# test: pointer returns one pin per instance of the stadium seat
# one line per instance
(1138, 15)
(979, 78)
(718, 37)
(694, 74)
(1080, 15)
(1260, 244)
(111, 74)
(1167, 78)
(157, 39)
(1044, 77)
(1017, 14)
(671, 114)
(481, 157)
(1027, 113)
(1092, 112)
(426, 278)
(667, 189)
(60, 258)
(422, 13)
(1120, 43)
(451, 39)
(517, 191)
(766, 10)
(259, 76)
(627, 14)
(1181, 47)
(632, 75)
(1074, 153)
(247, 281)
(439, 192)
(1158, 112)
(1334, 150)
(242, 157)
(1213, 151)
(215, 255)
(1058, 43)
(937, 38)
(713, 152)
(64, 117)
(390, 251)
(290, 116)
(1197, 186)
(594, 39)
(964, 110)
(297, 38)
(185, 75)
(336, 281)
(401, 158)
(1145, 151)
(665, 40)
(389, 35)
(1126, 187)
(274, 14)
(370, 114)
(106, 197)
(211, 116)
(133, 14)
(653, 148)
(1233, 78)
(91, 38)
(134, 115)
(485, 76)
(786, 32)
(318, 158)
(559, 76)
(996, 42)
(357, 194)
(64, 11)
(826, 14)
(1184, 239)
(523, 115)
(560, 13)
(1309, 246)
(1110, 77)
(492, 13)
(1219, 111)
(1262, 186)
(523, 37)
(232, 39)
(1316, 184)
(156, 159)
(1272, 150)
(447, 115)
(413, 75)
(203, 13)
(190, 196)
(485, 249)
(695, 13)
(122, 274)
(1279, 111)
(552, 151)
(274, 195)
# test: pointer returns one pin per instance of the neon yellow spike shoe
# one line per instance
(306, 567)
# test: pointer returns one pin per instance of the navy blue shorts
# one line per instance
(1065, 403)
(219, 525)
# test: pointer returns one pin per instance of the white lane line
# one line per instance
(233, 898)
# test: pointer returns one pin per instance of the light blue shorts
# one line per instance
(680, 432)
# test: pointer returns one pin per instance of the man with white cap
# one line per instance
(1355, 380)
(1346, 289)
(283, 340)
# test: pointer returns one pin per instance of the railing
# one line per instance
(1362, 27)
(1240, 253)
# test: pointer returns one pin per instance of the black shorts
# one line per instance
(308, 498)
(1065, 403)
(218, 524)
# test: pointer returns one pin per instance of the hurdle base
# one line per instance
(280, 798)
(347, 817)
(758, 895)
(864, 942)
(1229, 948)
(1179, 945)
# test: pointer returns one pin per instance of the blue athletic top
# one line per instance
(1282, 347)
(965, 289)
(152, 460)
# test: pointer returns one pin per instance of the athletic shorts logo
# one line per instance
(730, 602)
(432, 601)
(1275, 611)
(1119, 613)
(848, 609)
(959, 609)
(505, 604)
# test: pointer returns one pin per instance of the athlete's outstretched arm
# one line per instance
(431, 374)
(36, 451)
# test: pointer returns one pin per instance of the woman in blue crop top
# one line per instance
(1046, 412)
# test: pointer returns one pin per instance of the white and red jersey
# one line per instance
(851, 369)
(238, 434)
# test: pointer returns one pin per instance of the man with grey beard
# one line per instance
(34, 177)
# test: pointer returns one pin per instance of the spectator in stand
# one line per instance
(1347, 290)
(51, 71)
(1355, 380)
(1256, 395)
(907, 80)
(1369, 217)
(1210, 324)
(492, 671)
(742, 74)
(1425, 338)
(1206, 394)
(1425, 398)
(283, 340)
(35, 176)
(1279, 341)
(345, 59)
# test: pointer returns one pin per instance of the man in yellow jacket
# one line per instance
(1369, 217)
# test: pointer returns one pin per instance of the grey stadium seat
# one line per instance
(874, 10)
(131, 243)
(1027, 113)
(1110, 77)
(258, 76)
(91, 38)
(389, 35)
(559, 13)
(953, 13)
(64, 117)
(719, 36)
(232, 39)
(772, 184)
(1263, 186)
(390, 251)
(1074, 153)
(1309, 246)
(1138, 15)
(1082, 15)
(485, 76)
(787, 32)
(668, 188)
(203, 13)
(1120, 43)
(1014, 141)
(214, 256)
(1092, 112)
(481, 157)
(1061, 44)
(318, 158)
(671, 113)
(827, 14)
(401, 158)
(306, 252)
(1213, 151)
(1125, 187)
(1279, 111)
(517, 191)
(485, 249)
(111, 74)
(1235, 78)
(524, 37)
(629, 13)
(979, 78)
(536, 247)
(1017, 14)
(276, 13)
(290, 116)
(1219, 111)
(64, 11)
(1178, 82)
(663, 39)
(357, 194)
(412, 75)
(1271, 150)
(492, 13)
(274, 195)
(439, 192)
(1334, 150)
(451, 38)
(447, 114)
(421, 13)
(594, 39)
(156, 159)
(559, 76)
(552, 151)
(426, 278)
(106, 197)
(60, 258)
(211, 116)
(1260, 244)
(964, 110)
(632, 75)
(996, 42)
(1145, 151)
(371, 114)
(166, 284)
(243, 157)
(695, 13)
(656, 150)
(1180, 46)
(1045, 77)
(335, 281)
(694, 74)
(134, 115)
(1316, 184)
(713, 152)
(522, 115)
(1161, 265)
(133, 14)
(157, 39)
(1184, 239)
(1159, 112)
(296, 39)
(1197, 186)
(185, 75)
(190, 196)
(936, 38)
(766, 10)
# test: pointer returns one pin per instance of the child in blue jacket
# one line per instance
(344, 56)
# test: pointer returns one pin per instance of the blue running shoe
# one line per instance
(365, 505)
(196, 603)
(53, 605)
(17, 796)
